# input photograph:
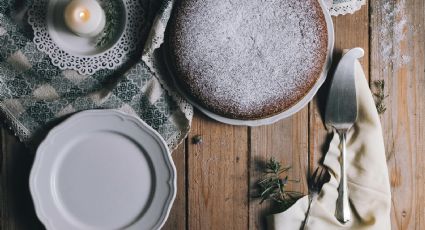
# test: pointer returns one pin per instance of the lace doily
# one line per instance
(342, 7)
(39, 17)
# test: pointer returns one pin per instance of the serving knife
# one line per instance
(341, 113)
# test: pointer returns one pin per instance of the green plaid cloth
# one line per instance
(34, 93)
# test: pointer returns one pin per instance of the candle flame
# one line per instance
(84, 15)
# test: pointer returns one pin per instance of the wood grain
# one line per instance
(217, 176)
(16, 208)
(177, 217)
(403, 125)
(287, 142)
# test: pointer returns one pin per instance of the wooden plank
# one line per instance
(16, 208)
(351, 31)
(403, 125)
(177, 217)
(287, 141)
(217, 176)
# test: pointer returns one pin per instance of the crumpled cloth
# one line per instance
(367, 172)
(34, 93)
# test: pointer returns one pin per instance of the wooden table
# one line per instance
(216, 178)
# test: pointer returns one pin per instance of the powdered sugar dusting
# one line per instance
(249, 58)
(392, 33)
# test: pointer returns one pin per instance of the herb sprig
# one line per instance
(273, 186)
(380, 96)
(112, 17)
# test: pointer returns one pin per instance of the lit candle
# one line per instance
(85, 18)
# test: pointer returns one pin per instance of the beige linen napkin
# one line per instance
(367, 172)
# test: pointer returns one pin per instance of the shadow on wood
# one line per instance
(17, 210)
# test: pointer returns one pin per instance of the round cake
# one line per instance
(247, 59)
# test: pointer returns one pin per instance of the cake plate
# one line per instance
(287, 113)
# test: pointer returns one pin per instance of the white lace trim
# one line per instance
(346, 7)
(18, 129)
(154, 42)
(110, 59)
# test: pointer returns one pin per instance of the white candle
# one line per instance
(85, 18)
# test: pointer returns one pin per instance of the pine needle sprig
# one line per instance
(380, 96)
(112, 24)
(273, 186)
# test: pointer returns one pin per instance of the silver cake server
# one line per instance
(341, 113)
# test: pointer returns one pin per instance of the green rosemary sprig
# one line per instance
(273, 186)
(380, 96)
(112, 17)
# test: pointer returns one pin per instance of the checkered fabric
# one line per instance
(34, 93)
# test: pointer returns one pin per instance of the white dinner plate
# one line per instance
(287, 113)
(103, 170)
